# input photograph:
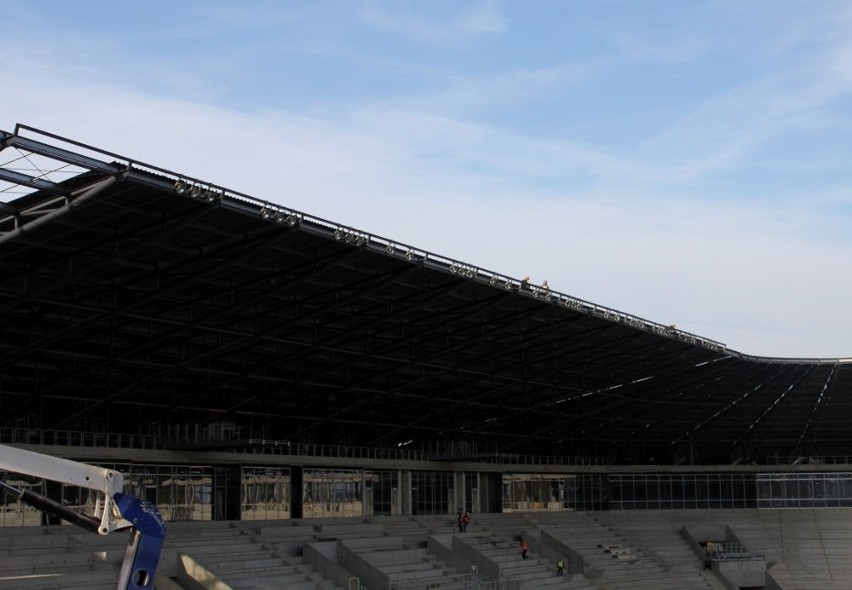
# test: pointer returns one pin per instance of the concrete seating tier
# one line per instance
(816, 546)
(621, 563)
(637, 550)
(660, 539)
(325, 531)
(438, 524)
(791, 577)
(409, 529)
(397, 560)
(68, 580)
(761, 532)
(657, 536)
(247, 557)
(805, 549)
(41, 558)
(286, 538)
(497, 537)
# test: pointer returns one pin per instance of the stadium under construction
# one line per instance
(244, 362)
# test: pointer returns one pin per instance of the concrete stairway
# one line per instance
(622, 565)
(816, 545)
(250, 557)
(759, 530)
(660, 539)
(496, 537)
(834, 539)
(806, 549)
(396, 560)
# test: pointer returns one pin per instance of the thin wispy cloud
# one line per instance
(484, 18)
(721, 133)
(478, 95)
(229, 16)
(648, 45)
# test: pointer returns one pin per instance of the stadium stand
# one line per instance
(310, 405)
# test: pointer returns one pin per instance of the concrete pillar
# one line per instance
(475, 503)
(366, 496)
(405, 499)
(458, 497)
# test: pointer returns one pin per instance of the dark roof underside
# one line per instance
(139, 308)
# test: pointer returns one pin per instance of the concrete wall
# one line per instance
(488, 568)
(370, 576)
(741, 574)
(552, 548)
(193, 576)
(323, 558)
(441, 546)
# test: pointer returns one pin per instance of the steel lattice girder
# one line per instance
(151, 302)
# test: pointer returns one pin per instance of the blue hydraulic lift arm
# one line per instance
(114, 510)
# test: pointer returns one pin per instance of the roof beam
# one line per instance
(30, 181)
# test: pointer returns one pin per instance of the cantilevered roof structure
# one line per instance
(132, 297)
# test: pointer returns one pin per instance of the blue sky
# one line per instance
(686, 162)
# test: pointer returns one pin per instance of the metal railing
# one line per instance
(729, 551)
(78, 438)
(112, 440)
